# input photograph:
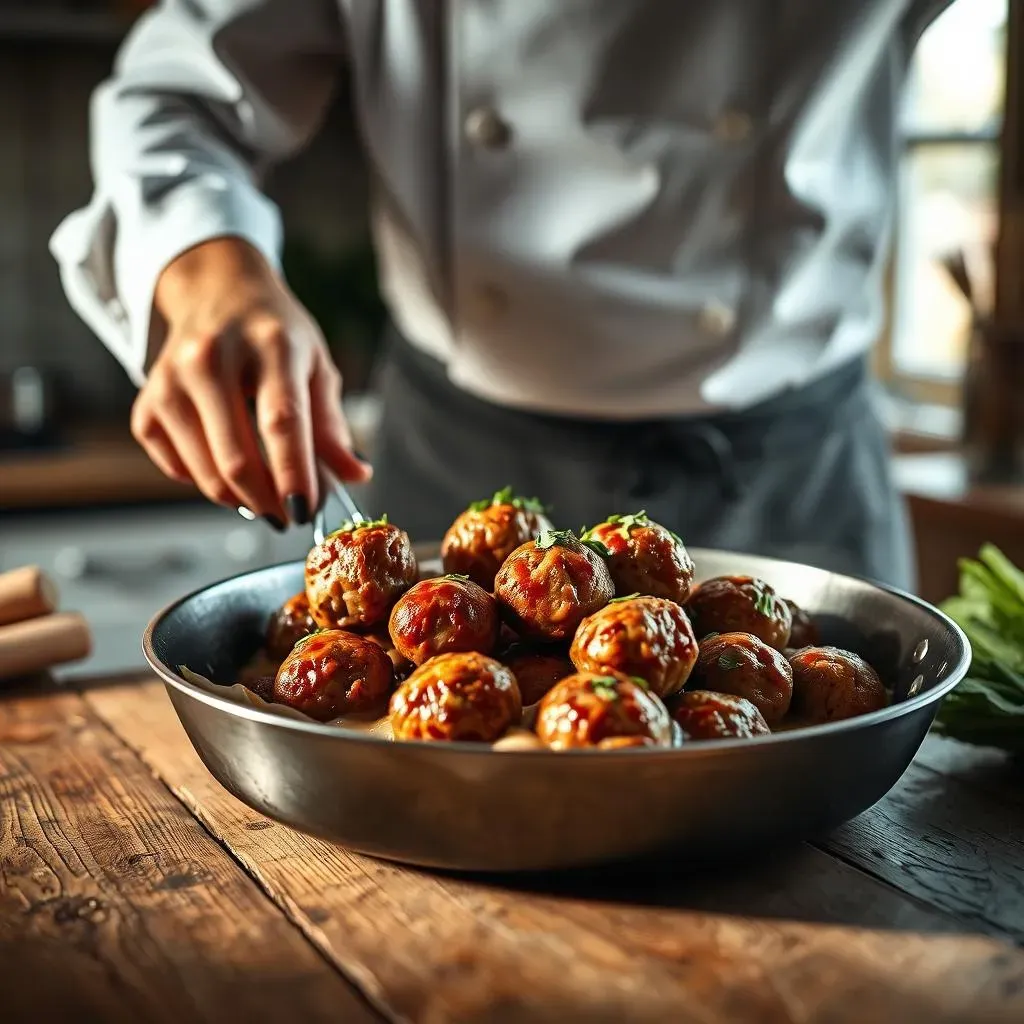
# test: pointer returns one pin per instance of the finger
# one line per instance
(157, 445)
(332, 437)
(181, 423)
(218, 398)
(283, 417)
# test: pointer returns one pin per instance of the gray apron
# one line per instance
(805, 476)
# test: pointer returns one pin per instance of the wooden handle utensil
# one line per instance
(38, 644)
(26, 593)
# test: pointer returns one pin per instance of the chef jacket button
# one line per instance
(716, 319)
(485, 127)
(732, 126)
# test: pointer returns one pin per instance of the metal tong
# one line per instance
(336, 505)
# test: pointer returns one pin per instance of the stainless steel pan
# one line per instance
(466, 807)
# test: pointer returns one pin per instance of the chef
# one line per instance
(632, 251)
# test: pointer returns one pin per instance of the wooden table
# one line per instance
(134, 888)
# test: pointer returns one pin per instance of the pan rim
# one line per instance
(952, 677)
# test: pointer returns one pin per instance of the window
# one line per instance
(948, 221)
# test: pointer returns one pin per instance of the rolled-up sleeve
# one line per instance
(204, 96)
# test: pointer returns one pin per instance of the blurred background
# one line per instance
(78, 498)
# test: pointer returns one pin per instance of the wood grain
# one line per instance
(116, 905)
(806, 938)
(949, 843)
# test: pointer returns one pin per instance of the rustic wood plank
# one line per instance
(728, 946)
(954, 844)
(995, 771)
(115, 903)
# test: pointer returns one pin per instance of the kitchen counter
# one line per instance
(99, 465)
(133, 887)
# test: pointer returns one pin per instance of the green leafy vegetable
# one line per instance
(506, 496)
(987, 708)
(624, 597)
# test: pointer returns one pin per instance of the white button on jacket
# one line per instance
(618, 208)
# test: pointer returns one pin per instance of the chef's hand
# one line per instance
(235, 332)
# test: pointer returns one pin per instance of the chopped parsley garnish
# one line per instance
(566, 538)
(506, 496)
(555, 538)
(625, 597)
(309, 636)
(641, 682)
(605, 687)
(455, 576)
(764, 602)
(359, 523)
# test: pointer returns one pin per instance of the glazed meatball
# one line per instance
(830, 684)
(703, 715)
(649, 637)
(483, 536)
(593, 709)
(289, 624)
(536, 671)
(357, 573)
(548, 586)
(333, 673)
(468, 697)
(740, 604)
(441, 616)
(804, 631)
(743, 665)
(644, 557)
(402, 665)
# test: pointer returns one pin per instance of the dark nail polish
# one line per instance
(298, 508)
(275, 523)
(360, 456)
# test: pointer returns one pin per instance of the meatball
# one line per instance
(830, 684)
(804, 631)
(740, 604)
(443, 615)
(743, 665)
(591, 709)
(548, 586)
(456, 697)
(333, 673)
(644, 557)
(483, 536)
(703, 715)
(289, 624)
(649, 637)
(402, 665)
(536, 671)
(357, 573)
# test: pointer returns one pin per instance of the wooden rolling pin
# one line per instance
(26, 593)
(38, 644)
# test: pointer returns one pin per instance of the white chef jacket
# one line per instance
(610, 208)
